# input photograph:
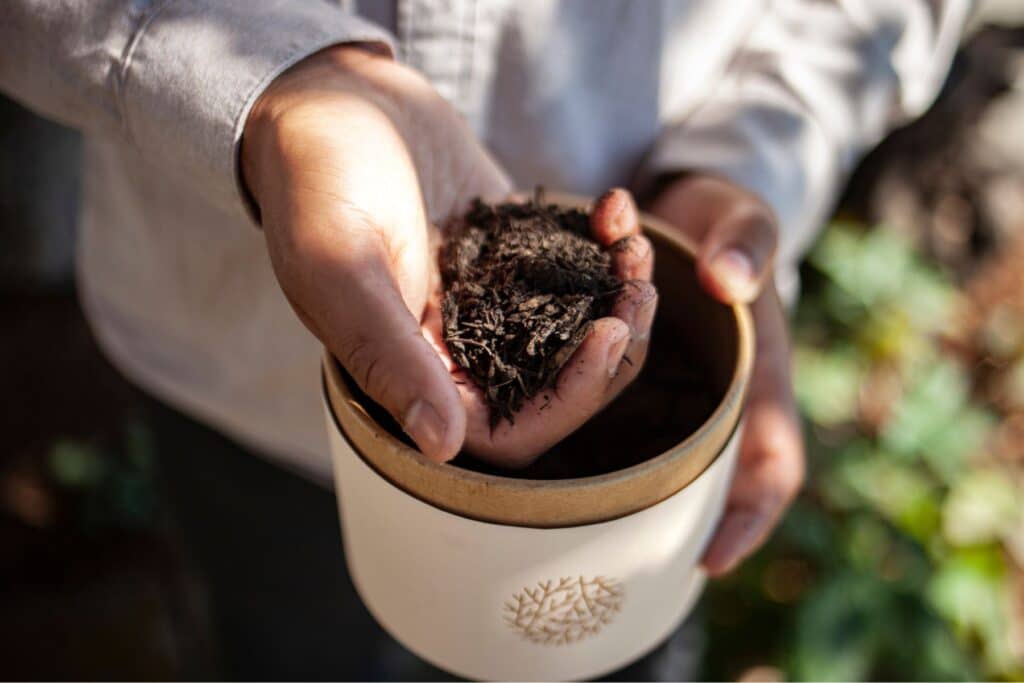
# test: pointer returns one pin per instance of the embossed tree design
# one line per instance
(563, 612)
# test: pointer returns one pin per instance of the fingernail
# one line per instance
(616, 350)
(619, 221)
(624, 217)
(645, 319)
(423, 423)
(734, 272)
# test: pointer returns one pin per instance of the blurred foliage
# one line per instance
(897, 560)
(108, 488)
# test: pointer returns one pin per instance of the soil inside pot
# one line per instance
(668, 401)
(522, 284)
(689, 366)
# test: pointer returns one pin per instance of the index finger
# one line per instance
(615, 224)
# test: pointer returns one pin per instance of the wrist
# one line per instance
(298, 85)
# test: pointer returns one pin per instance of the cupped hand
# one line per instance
(609, 358)
(736, 234)
(353, 160)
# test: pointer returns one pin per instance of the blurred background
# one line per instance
(902, 559)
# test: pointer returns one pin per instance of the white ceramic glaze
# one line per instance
(502, 578)
(460, 593)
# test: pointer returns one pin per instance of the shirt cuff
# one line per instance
(196, 67)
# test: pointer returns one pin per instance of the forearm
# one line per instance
(174, 80)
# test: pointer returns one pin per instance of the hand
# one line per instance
(736, 234)
(352, 160)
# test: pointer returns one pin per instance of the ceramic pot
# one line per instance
(497, 577)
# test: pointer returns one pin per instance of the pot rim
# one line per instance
(454, 489)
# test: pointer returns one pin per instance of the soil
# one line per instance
(522, 285)
(668, 401)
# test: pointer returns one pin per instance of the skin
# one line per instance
(737, 235)
(353, 160)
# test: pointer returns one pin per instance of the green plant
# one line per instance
(109, 488)
(896, 562)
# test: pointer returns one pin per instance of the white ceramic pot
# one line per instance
(502, 578)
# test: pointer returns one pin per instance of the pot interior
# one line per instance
(689, 367)
(690, 363)
(656, 438)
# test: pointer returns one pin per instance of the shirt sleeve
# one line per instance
(175, 79)
(815, 84)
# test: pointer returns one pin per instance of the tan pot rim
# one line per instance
(559, 502)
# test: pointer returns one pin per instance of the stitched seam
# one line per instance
(469, 48)
(295, 55)
(404, 17)
(120, 82)
(459, 90)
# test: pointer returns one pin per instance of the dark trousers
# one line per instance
(267, 547)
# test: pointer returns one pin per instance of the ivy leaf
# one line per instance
(970, 590)
(934, 396)
(983, 507)
(827, 385)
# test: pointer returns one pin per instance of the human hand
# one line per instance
(736, 234)
(353, 160)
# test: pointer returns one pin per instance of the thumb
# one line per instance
(350, 299)
(380, 343)
(737, 254)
